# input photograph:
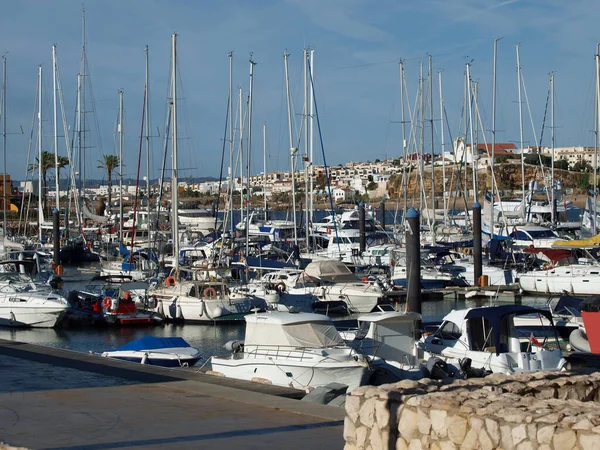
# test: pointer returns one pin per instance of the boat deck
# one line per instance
(55, 398)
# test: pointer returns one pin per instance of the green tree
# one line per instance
(47, 163)
(582, 166)
(109, 163)
(561, 164)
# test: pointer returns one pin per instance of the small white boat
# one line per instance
(486, 338)
(166, 352)
(299, 350)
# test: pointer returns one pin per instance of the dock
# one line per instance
(54, 398)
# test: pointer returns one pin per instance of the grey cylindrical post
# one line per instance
(382, 203)
(477, 243)
(212, 209)
(361, 227)
(413, 261)
(56, 232)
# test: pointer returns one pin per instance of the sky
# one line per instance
(358, 46)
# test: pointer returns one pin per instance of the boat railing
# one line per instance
(289, 353)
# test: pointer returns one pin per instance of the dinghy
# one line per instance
(166, 352)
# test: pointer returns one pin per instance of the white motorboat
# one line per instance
(157, 351)
(22, 304)
(299, 350)
(387, 338)
(486, 338)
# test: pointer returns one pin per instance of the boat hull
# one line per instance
(38, 317)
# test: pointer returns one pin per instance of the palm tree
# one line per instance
(109, 163)
(47, 163)
(63, 161)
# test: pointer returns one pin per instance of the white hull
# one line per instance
(282, 372)
(573, 279)
(30, 316)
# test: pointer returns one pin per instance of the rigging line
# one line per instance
(27, 167)
(222, 161)
(327, 179)
(137, 184)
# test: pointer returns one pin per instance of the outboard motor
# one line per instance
(438, 368)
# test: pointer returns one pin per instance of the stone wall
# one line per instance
(542, 410)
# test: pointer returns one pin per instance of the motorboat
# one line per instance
(157, 351)
(487, 338)
(25, 304)
(566, 316)
(387, 338)
(298, 350)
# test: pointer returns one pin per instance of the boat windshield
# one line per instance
(541, 234)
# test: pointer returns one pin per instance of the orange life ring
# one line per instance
(365, 279)
(280, 286)
(170, 281)
(210, 292)
(107, 302)
(89, 244)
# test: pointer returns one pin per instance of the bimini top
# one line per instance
(299, 330)
(330, 270)
(495, 315)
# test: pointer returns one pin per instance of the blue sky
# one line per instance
(358, 45)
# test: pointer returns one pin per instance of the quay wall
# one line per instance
(542, 410)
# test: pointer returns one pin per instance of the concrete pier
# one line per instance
(53, 398)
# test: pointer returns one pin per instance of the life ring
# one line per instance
(210, 292)
(89, 244)
(107, 302)
(280, 287)
(170, 281)
(365, 279)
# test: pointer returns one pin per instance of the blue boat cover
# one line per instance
(153, 343)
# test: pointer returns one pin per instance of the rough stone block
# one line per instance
(382, 414)
(367, 413)
(545, 433)
(564, 439)
(423, 421)
(438, 422)
(589, 441)
(518, 434)
(401, 444)
(352, 406)
(376, 440)
(471, 440)
(506, 437)
(407, 426)
(362, 434)
(493, 430)
(485, 442)
(415, 444)
(349, 430)
(456, 427)
(526, 445)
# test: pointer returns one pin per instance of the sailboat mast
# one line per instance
(241, 152)
(291, 140)
(306, 156)
(521, 123)
(311, 74)
(82, 109)
(230, 184)
(422, 199)
(443, 151)
(265, 166)
(404, 164)
(56, 170)
(40, 192)
(596, 141)
(493, 134)
(174, 179)
(4, 221)
(120, 165)
(552, 199)
(147, 126)
(430, 76)
(248, 193)
(473, 149)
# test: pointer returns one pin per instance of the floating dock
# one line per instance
(53, 398)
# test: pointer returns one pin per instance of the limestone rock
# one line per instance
(362, 434)
(423, 421)
(456, 427)
(367, 413)
(544, 434)
(407, 426)
(518, 434)
(438, 422)
(589, 441)
(471, 440)
(352, 406)
(564, 439)
(382, 414)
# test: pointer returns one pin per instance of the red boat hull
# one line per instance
(591, 321)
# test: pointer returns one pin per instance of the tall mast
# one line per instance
(265, 166)
(521, 123)
(430, 76)
(443, 154)
(4, 142)
(40, 192)
(553, 218)
(248, 193)
(596, 141)
(404, 178)
(293, 150)
(78, 131)
(120, 165)
(82, 109)
(311, 140)
(230, 185)
(147, 126)
(174, 180)
(422, 199)
(241, 152)
(493, 134)
(306, 155)
(56, 170)
(473, 149)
